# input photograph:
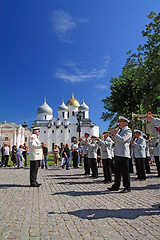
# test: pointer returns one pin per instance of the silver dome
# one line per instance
(83, 106)
(45, 108)
(62, 107)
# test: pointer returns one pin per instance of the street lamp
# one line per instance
(79, 116)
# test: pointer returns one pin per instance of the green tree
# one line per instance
(137, 88)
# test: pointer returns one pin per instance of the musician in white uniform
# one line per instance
(153, 125)
(122, 139)
(139, 152)
(35, 156)
(85, 153)
(106, 156)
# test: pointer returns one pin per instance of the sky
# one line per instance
(54, 48)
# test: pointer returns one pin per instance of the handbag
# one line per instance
(57, 155)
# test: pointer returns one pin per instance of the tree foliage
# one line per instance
(137, 89)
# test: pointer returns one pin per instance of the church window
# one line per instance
(61, 123)
(54, 123)
(61, 131)
(69, 130)
(44, 131)
(68, 114)
(6, 138)
(45, 117)
(73, 113)
(25, 139)
(52, 131)
(63, 114)
(83, 115)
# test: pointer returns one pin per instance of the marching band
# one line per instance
(117, 146)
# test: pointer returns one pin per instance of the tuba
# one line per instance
(143, 116)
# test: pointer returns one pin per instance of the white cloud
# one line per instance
(71, 72)
(101, 86)
(63, 24)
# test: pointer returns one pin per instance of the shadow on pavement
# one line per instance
(75, 194)
(156, 186)
(74, 183)
(12, 185)
(92, 214)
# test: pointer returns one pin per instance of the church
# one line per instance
(66, 127)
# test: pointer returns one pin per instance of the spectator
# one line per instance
(75, 153)
(19, 156)
(56, 155)
(13, 157)
(45, 153)
(2, 155)
(67, 156)
(25, 154)
(6, 155)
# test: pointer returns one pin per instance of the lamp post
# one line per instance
(79, 116)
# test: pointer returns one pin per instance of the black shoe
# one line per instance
(142, 179)
(67, 169)
(125, 190)
(107, 182)
(35, 185)
(112, 189)
(94, 177)
(137, 179)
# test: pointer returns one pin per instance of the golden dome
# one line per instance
(73, 102)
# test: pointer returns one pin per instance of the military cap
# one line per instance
(121, 118)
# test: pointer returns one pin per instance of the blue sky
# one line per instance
(54, 48)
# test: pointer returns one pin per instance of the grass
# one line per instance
(50, 160)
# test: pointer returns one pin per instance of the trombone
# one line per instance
(143, 116)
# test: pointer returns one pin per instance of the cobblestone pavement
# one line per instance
(69, 205)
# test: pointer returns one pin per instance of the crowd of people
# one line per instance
(115, 152)
(18, 155)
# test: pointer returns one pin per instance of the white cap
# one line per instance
(123, 118)
(136, 130)
(87, 133)
(144, 135)
(36, 129)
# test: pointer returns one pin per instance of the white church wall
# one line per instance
(44, 116)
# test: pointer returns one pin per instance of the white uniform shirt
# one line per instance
(139, 148)
(6, 151)
(106, 148)
(35, 148)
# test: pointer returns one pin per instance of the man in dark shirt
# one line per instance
(25, 154)
(67, 155)
(45, 153)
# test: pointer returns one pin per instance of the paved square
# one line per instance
(69, 205)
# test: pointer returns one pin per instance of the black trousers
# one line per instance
(34, 165)
(93, 165)
(147, 167)
(25, 159)
(107, 170)
(6, 158)
(121, 168)
(75, 159)
(2, 159)
(86, 165)
(140, 168)
(130, 165)
(157, 164)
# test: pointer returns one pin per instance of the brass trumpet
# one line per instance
(116, 128)
(143, 116)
